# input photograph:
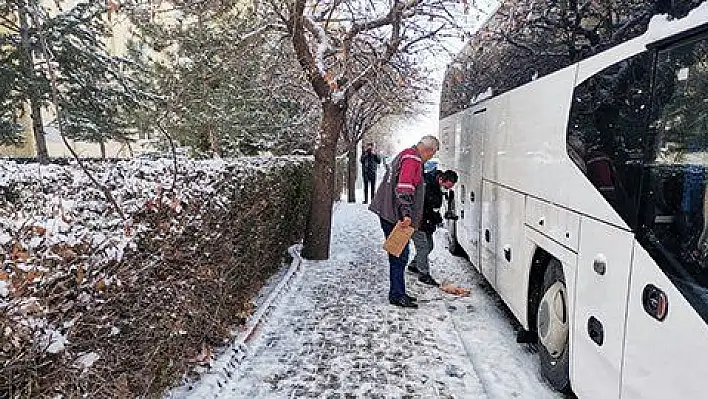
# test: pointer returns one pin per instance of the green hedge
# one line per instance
(179, 292)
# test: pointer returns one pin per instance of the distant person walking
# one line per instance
(435, 182)
(386, 162)
(400, 198)
(370, 161)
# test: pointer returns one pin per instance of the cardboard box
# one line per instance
(398, 239)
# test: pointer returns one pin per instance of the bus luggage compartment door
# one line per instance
(604, 262)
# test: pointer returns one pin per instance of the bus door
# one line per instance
(472, 149)
(666, 344)
(510, 257)
(488, 249)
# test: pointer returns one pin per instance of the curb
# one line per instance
(223, 368)
(259, 318)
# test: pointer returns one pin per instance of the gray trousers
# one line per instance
(423, 242)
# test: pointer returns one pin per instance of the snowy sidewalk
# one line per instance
(333, 333)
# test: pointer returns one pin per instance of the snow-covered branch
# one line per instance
(323, 44)
(302, 49)
(263, 29)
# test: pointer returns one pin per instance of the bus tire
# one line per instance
(552, 324)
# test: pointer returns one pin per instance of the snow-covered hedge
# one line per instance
(97, 303)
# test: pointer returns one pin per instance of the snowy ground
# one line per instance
(333, 333)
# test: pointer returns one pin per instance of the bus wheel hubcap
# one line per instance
(553, 320)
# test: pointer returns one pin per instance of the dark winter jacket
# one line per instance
(433, 202)
(369, 163)
(402, 191)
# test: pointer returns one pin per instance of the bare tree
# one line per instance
(342, 45)
(392, 94)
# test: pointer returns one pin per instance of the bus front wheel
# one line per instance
(552, 323)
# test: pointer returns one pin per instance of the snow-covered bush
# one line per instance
(94, 303)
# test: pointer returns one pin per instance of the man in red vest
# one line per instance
(400, 198)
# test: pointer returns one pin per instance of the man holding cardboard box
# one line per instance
(399, 204)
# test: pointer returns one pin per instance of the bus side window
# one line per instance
(606, 131)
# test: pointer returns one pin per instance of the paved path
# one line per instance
(333, 333)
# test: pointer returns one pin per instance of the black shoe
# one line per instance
(413, 269)
(411, 298)
(403, 302)
(427, 279)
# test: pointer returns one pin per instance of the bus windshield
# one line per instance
(675, 211)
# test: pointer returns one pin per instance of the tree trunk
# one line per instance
(103, 150)
(214, 143)
(38, 129)
(212, 137)
(27, 62)
(351, 174)
(130, 149)
(319, 220)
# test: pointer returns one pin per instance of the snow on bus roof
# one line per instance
(661, 26)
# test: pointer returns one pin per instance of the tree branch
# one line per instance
(302, 50)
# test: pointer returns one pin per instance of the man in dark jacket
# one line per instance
(370, 161)
(400, 198)
(435, 181)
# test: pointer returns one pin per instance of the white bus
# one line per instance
(582, 201)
